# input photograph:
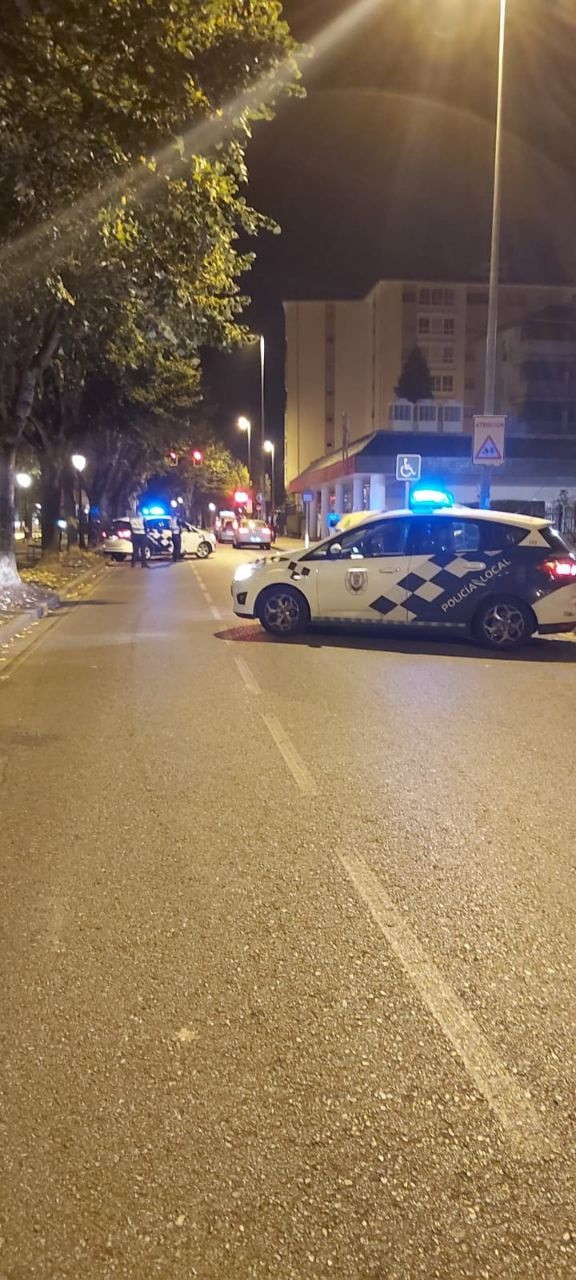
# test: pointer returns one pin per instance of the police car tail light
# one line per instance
(559, 569)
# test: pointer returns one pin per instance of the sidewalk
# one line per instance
(12, 625)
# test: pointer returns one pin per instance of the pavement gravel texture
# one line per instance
(216, 1061)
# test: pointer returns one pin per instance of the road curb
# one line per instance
(24, 620)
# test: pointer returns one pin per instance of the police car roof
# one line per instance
(503, 517)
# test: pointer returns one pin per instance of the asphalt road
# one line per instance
(287, 949)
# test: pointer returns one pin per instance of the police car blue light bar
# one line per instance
(422, 497)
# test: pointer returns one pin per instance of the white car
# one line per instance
(498, 577)
(252, 533)
(116, 542)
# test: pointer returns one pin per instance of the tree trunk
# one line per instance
(9, 575)
(50, 484)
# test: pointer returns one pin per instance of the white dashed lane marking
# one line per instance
(289, 753)
(249, 679)
(509, 1102)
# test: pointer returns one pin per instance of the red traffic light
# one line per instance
(197, 457)
(241, 498)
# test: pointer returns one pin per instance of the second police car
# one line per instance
(496, 576)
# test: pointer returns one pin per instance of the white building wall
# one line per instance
(305, 386)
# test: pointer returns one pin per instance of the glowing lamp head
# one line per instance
(78, 461)
(23, 480)
(241, 498)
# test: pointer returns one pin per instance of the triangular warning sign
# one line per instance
(489, 450)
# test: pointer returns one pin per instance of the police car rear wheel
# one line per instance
(504, 624)
(283, 611)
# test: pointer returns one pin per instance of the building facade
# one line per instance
(344, 358)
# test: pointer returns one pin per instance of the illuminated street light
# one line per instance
(79, 462)
(23, 480)
(244, 424)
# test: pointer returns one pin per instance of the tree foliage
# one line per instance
(122, 139)
(415, 381)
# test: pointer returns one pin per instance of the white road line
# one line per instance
(215, 613)
(490, 1075)
(295, 764)
(249, 679)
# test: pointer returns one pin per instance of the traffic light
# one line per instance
(197, 457)
(172, 458)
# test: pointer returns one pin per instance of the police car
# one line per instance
(498, 577)
(116, 541)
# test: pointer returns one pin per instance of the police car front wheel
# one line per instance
(283, 611)
(504, 623)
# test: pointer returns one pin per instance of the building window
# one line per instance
(436, 381)
(423, 324)
(427, 413)
(437, 297)
(449, 325)
(424, 297)
(448, 355)
(452, 413)
(448, 297)
(447, 382)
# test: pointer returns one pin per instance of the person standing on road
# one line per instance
(138, 536)
(176, 531)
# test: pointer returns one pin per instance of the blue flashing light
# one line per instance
(145, 511)
(155, 511)
(426, 497)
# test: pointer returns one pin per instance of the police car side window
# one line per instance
(497, 536)
(386, 539)
(435, 536)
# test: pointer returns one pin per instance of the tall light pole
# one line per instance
(262, 408)
(79, 462)
(270, 448)
(492, 325)
(245, 424)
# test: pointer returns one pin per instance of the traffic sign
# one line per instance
(489, 440)
(259, 497)
(408, 466)
(308, 495)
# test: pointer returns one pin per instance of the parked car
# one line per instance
(226, 526)
(253, 533)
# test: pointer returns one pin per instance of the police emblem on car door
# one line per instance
(356, 581)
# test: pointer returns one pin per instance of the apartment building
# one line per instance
(344, 358)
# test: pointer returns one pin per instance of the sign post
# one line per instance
(307, 498)
(489, 448)
(408, 469)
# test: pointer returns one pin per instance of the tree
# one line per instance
(122, 146)
(415, 380)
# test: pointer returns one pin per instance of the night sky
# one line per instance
(385, 168)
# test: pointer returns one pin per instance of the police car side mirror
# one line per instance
(335, 550)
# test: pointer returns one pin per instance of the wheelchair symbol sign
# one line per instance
(408, 466)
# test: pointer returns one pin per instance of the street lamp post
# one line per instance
(492, 325)
(262, 405)
(245, 424)
(270, 448)
(24, 481)
(79, 462)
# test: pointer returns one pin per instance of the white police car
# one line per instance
(496, 576)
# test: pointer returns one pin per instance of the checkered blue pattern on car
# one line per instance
(419, 595)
